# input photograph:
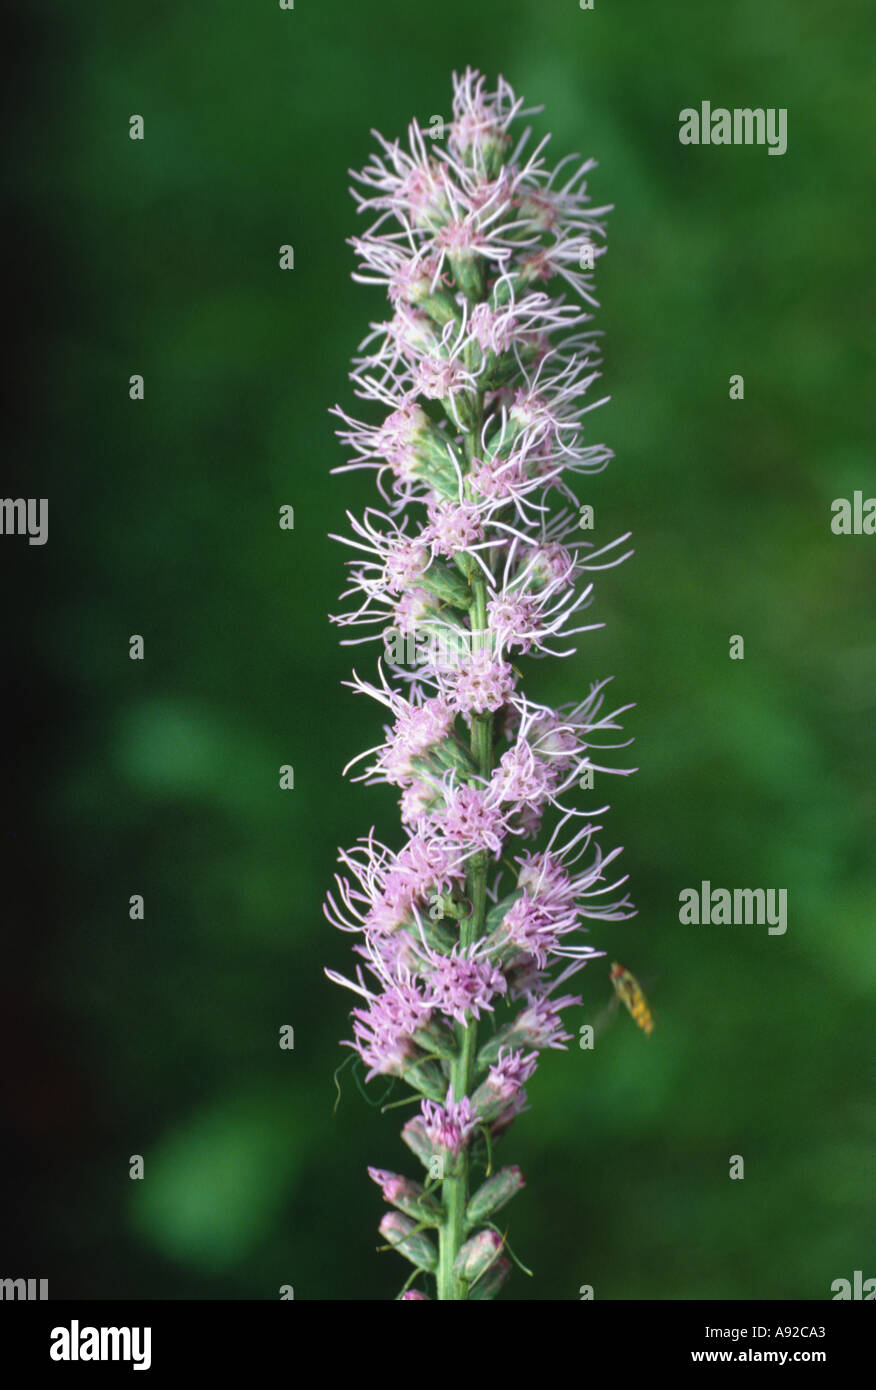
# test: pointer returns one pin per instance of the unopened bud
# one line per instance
(489, 1285)
(397, 1232)
(428, 1079)
(493, 1097)
(437, 1037)
(414, 1135)
(493, 1194)
(477, 1255)
(409, 1196)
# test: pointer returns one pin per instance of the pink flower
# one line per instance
(461, 986)
(522, 778)
(449, 1127)
(454, 527)
(470, 818)
(484, 371)
(483, 684)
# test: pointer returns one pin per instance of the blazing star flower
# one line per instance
(483, 369)
(449, 1127)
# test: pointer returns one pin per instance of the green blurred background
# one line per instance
(160, 777)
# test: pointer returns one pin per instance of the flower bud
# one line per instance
(414, 1135)
(427, 1078)
(397, 1231)
(489, 1285)
(468, 272)
(453, 756)
(496, 915)
(410, 1197)
(447, 585)
(477, 1255)
(439, 304)
(492, 1099)
(493, 1194)
(482, 144)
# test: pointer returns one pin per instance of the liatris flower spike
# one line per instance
(469, 933)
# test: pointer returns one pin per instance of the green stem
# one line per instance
(455, 1189)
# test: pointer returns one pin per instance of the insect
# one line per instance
(630, 993)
